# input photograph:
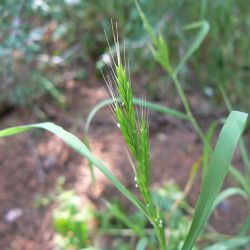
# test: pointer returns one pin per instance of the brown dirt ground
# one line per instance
(31, 163)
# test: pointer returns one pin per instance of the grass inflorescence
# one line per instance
(134, 128)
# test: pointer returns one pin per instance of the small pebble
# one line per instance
(13, 214)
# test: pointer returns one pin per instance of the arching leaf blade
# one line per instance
(77, 145)
(204, 29)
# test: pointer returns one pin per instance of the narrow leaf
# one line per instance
(139, 102)
(204, 28)
(227, 193)
(215, 174)
(136, 101)
(75, 143)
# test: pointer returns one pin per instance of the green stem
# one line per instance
(160, 236)
(188, 109)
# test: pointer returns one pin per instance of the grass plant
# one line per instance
(134, 129)
(161, 54)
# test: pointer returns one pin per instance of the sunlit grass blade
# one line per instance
(76, 144)
(215, 174)
(204, 29)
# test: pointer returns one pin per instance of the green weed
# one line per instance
(134, 128)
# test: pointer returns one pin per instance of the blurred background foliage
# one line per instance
(41, 40)
(113, 226)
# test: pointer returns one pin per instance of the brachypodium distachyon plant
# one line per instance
(134, 128)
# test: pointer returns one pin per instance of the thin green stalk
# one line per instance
(160, 236)
(188, 109)
(160, 51)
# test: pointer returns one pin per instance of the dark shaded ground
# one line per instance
(31, 163)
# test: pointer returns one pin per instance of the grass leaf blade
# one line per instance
(76, 144)
(215, 174)
(204, 29)
(227, 193)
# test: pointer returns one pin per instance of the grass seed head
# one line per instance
(134, 128)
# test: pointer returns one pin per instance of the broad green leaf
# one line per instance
(73, 142)
(215, 174)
